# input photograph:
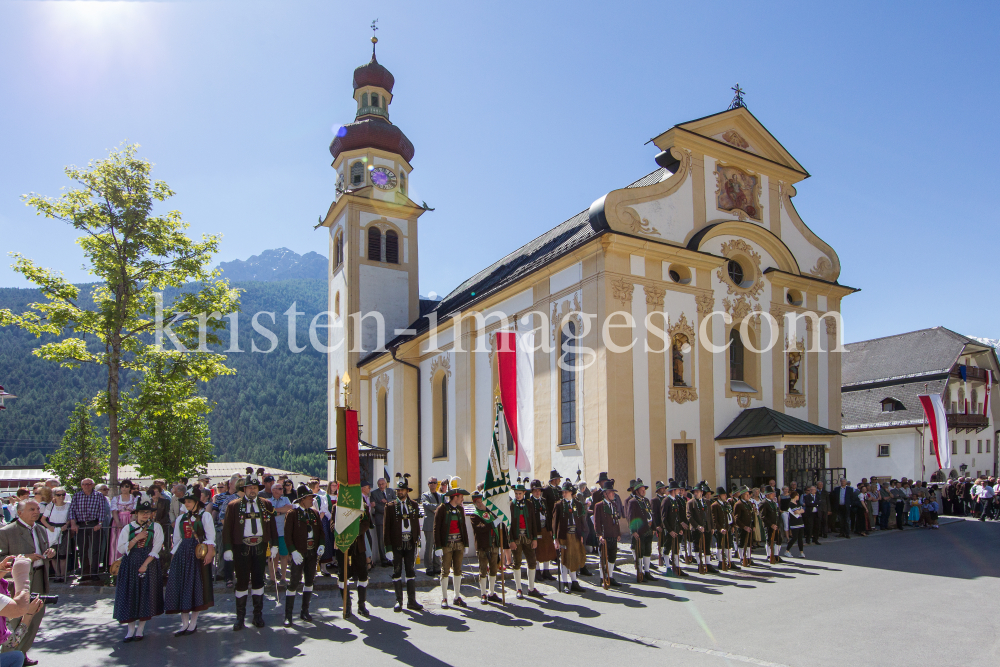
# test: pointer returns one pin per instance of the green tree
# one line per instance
(82, 453)
(136, 255)
(172, 434)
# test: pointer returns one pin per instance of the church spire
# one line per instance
(374, 38)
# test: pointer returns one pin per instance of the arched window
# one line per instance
(402, 182)
(391, 247)
(440, 417)
(567, 385)
(357, 173)
(338, 249)
(374, 244)
(374, 99)
(336, 305)
(364, 99)
(735, 356)
(383, 419)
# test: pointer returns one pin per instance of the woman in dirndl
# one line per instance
(122, 507)
(139, 583)
(189, 581)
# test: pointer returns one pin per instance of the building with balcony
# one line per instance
(882, 418)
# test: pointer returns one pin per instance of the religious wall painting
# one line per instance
(734, 138)
(738, 192)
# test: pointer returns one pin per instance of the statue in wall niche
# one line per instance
(794, 359)
(680, 341)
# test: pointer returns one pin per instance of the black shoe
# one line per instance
(138, 638)
(614, 583)
(191, 631)
(584, 572)
(362, 598)
(493, 597)
(566, 589)
(734, 566)
(654, 566)
(482, 599)
(520, 594)
(347, 610)
(179, 633)
(129, 640)
(258, 611)
(289, 610)
(411, 596)
(535, 593)
(646, 576)
(459, 602)
(241, 614)
(575, 586)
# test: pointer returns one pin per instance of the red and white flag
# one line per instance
(938, 421)
(516, 370)
(986, 400)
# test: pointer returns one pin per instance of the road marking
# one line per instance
(698, 649)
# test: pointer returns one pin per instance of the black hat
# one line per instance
(672, 485)
(477, 494)
(609, 485)
(144, 505)
(268, 478)
(768, 489)
(536, 484)
(554, 474)
(568, 485)
(302, 493)
(721, 490)
(365, 482)
(704, 487)
(250, 479)
(638, 483)
(403, 481)
(193, 493)
(601, 478)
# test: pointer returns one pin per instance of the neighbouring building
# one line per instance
(884, 425)
(704, 244)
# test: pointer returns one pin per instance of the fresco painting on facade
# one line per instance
(738, 191)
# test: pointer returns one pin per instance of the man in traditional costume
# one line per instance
(250, 536)
(525, 536)
(402, 538)
(640, 521)
(722, 524)
(770, 517)
(569, 525)
(744, 515)
(304, 539)
(492, 543)
(608, 529)
(545, 552)
(354, 562)
(451, 538)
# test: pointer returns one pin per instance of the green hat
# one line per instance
(660, 485)
(520, 484)
(568, 485)
(740, 491)
(638, 483)
(403, 481)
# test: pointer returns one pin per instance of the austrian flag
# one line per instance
(938, 423)
(516, 370)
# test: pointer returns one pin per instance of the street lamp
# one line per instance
(4, 395)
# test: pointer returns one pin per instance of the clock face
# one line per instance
(383, 178)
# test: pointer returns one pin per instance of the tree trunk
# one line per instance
(114, 369)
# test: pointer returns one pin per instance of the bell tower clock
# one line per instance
(372, 224)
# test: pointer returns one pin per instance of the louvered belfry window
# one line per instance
(375, 244)
(391, 247)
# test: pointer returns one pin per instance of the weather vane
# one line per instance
(374, 38)
(737, 98)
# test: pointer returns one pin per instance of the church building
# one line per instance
(652, 310)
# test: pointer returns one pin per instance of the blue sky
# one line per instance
(522, 114)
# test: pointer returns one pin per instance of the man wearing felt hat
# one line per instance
(402, 538)
(743, 520)
(451, 538)
(722, 523)
(304, 537)
(639, 513)
(492, 542)
(608, 528)
(770, 516)
(525, 534)
(673, 518)
(249, 535)
(656, 503)
(354, 561)
(545, 552)
(569, 528)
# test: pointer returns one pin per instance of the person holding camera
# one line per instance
(26, 537)
(14, 606)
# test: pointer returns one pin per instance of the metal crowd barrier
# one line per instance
(87, 552)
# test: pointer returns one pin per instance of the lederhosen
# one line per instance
(314, 538)
(250, 558)
(489, 557)
(546, 550)
(569, 512)
(454, 547)
(520, 539)
(404, 557)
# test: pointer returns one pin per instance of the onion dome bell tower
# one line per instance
(373, 235)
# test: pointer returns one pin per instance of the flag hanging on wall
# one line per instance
(938, 422)
(516, 372)
(986, 399)
(496, 489)
(348, 516)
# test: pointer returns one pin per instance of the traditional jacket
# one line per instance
(402, 524)
(489, 536)
(552, 495)
(722, 515)
(303, 530)
(524, 520)
(569, 517)
(655, 503)
(640, 515)
(445, 518)
(670, 519)
(543, 510)
(237, 515)
(606, 522)
(697, 514)
(769, 515)
(743, 514)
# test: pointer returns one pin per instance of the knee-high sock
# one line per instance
(493, 584)
(645, 563)
(444, 586)
(531, 580)
(131, 629)
(517, 577)
(563, 573)
(240, 594)
(572, 575)
(139, 628)
(482, 585)
(184, 620)
(193, 623)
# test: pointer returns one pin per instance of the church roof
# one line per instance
(757, 422)
(372, 132)
(373, 74)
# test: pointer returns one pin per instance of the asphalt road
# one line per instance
(919, 596)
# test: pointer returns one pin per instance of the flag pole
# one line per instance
(923, 435)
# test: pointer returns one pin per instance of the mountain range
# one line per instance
(277, 264)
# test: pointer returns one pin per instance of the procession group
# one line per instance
(548, 524)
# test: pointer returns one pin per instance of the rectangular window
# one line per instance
(979, 446)
(567, 386)
(979, 473)
(968, 446)
(987, 445)
(954, 446)
(883, 450)
(954, 407)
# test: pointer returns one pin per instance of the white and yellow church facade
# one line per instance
(651, 310)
